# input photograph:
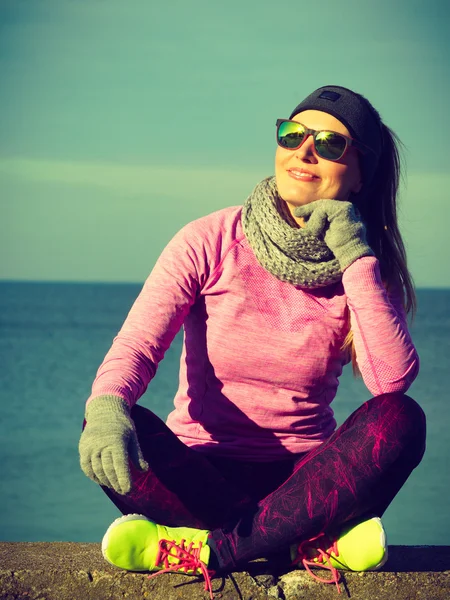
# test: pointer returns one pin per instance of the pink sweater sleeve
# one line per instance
(154, 319)
(385, 353)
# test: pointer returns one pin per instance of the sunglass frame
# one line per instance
(348, 140)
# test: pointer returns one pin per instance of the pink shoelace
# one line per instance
(322, 558)
(187, 557)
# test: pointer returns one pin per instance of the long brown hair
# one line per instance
(378, 208)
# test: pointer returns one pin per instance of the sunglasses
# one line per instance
(328, 144)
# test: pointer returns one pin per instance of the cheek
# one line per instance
(341, 176)
(281, 160)
(352, 174)
(280, 156)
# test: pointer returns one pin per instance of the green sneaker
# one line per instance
(361, 547)
(136, 543)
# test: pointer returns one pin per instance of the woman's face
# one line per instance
(329, 179)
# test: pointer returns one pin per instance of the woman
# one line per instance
(275, 298)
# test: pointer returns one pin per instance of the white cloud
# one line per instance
(121, 179)
(73, 205)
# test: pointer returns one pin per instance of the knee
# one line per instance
(404, 413)
(401, 402)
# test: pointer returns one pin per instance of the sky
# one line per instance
(121, 121)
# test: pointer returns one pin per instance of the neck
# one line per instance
(288, 213)
(289, 254)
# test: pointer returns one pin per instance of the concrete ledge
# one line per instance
(74, 571)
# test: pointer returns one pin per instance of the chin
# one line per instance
(295, 193)
(296, 197)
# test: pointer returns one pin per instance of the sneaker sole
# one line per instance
(118, 521)
(383, 541)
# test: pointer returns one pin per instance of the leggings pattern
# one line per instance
(256, 509)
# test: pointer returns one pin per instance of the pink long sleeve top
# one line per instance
(261, 358)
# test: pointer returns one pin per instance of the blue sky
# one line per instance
(122, 121)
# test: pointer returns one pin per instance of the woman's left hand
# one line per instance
(339, 224)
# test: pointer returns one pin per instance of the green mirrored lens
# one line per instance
(291, 135)
(330, 145)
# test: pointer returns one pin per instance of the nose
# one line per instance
(306, 150)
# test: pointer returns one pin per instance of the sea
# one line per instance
(53, 337)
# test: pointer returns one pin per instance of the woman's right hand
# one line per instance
(107, 441)
(340, 225)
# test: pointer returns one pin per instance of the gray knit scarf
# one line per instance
(288, 252)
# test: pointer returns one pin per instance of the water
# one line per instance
(54, 337)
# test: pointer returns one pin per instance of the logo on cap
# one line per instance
(328, 95)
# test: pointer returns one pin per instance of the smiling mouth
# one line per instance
(302, 176)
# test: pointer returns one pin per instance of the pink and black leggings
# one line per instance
(257, 509)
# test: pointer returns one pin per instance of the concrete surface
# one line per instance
(75, 571)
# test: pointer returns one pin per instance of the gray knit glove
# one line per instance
(109, 437)
(339, 224)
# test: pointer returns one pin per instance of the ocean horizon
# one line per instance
(54, 337)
